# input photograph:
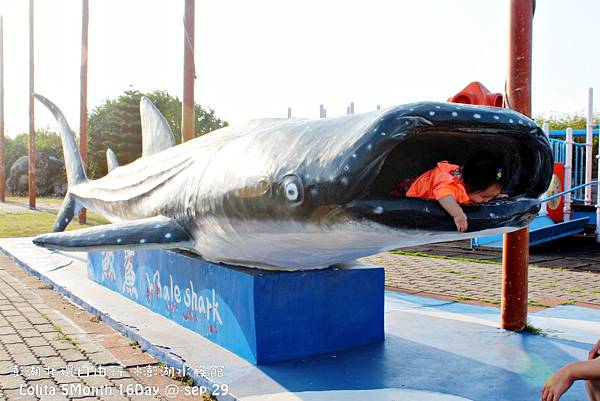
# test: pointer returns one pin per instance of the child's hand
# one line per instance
(593, 354)
(557, 384)
(461, 222)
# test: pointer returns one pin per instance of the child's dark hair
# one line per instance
(482, 171)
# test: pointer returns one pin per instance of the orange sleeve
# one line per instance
(441, 184)
(443, 190)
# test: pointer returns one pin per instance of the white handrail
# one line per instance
(568, 173)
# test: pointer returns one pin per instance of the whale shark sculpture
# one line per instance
(293, 194)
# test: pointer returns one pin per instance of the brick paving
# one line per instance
(50, 348)
(474, 281)
(577, 252)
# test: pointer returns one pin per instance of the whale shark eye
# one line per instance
(293, 189)
(291, 192)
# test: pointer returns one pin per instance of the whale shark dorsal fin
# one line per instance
(156, 133)
(111, 160)
(154, 232)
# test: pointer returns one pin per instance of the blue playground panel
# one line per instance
(591, 216)
(262, 316)
(542, 229)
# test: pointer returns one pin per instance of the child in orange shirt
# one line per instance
(478, 181)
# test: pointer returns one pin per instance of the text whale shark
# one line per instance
(293, 194)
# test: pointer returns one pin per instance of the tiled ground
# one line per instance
(49, 346)
(482, 281)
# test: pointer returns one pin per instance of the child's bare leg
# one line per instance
(593, 389)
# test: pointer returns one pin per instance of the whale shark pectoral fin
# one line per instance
(156, 133)
(156, 232)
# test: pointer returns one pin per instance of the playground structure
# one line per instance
(567, 207)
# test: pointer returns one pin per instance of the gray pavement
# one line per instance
(473, 281)
(52, 350)
(577, 252)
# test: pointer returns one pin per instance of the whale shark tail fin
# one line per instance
(73, 164)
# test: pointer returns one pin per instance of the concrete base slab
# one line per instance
(434, 350)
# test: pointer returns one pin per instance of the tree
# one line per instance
(46, 141)
(575, 121)
(116, 124)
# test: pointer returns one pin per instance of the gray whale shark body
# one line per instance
(294, 194)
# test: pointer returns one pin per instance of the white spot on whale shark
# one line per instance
(119, 240)
(432, 113)
(383, 394)
(454, 114)
(378, 210)
(477, 116)
(314, 192)
(168, 235)
(143, 241)
(344, 180)
(496, 118)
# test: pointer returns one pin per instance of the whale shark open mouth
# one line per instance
(521, 145)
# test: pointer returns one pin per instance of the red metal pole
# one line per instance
(188, 115)
(2, 161)
(515, 258)
(83, 114)
(31, 115)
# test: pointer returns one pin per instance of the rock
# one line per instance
(49, 176)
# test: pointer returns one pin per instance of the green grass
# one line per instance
(450, 271)
(531, 329)
(533, 302)
(463, 298)
(29, 224)
(42, 200)
(426, 255)
(457, 272)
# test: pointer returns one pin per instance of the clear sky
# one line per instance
(257, 58)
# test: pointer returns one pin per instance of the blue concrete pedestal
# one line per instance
(262, 316)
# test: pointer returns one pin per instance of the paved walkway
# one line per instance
(472, 281)
(52, 350)
(577, 252)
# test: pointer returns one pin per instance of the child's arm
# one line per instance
(563, 379)
(451, 206)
